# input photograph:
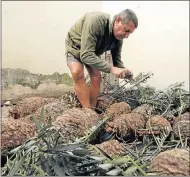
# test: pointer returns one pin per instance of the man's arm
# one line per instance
(116, 55)
(90, 33)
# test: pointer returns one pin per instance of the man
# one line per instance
(91, 36)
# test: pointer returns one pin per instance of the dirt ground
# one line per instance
(17, 92)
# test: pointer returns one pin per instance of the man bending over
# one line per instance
(91, 36)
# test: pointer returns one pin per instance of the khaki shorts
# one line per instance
(70, 58)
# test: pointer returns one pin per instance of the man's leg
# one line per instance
(95, 77)
(81, 89)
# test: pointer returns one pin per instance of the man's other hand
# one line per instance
(121, 73)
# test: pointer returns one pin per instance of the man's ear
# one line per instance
(118, 19)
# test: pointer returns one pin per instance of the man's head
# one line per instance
(125, 23)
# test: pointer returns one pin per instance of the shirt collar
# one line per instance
(112, 20)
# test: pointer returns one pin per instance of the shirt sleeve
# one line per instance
(92, 29)
(116, 55)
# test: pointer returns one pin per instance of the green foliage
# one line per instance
(169, 102)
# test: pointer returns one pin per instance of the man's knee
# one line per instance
(96, 77)
(77, 76)
(76, 71)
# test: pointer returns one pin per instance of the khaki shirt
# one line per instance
(90, 37)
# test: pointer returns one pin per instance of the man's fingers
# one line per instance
(122, 73)
(128, 74)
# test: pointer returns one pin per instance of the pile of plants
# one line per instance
(136, 130)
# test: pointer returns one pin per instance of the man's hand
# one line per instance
(121, 73)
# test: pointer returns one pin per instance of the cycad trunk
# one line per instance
(117, 109)
(28, 106)
(182, 125)
(51, 111)
(112, 148)
(173, 162)
(144, 109)
(15, 131)
(159, 123)
(104, 102)
(127, 124)
(75, 123)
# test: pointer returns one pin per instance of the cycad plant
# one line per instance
(54, 152)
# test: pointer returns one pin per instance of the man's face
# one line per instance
(122, 31)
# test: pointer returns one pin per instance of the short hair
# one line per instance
(128, 15)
